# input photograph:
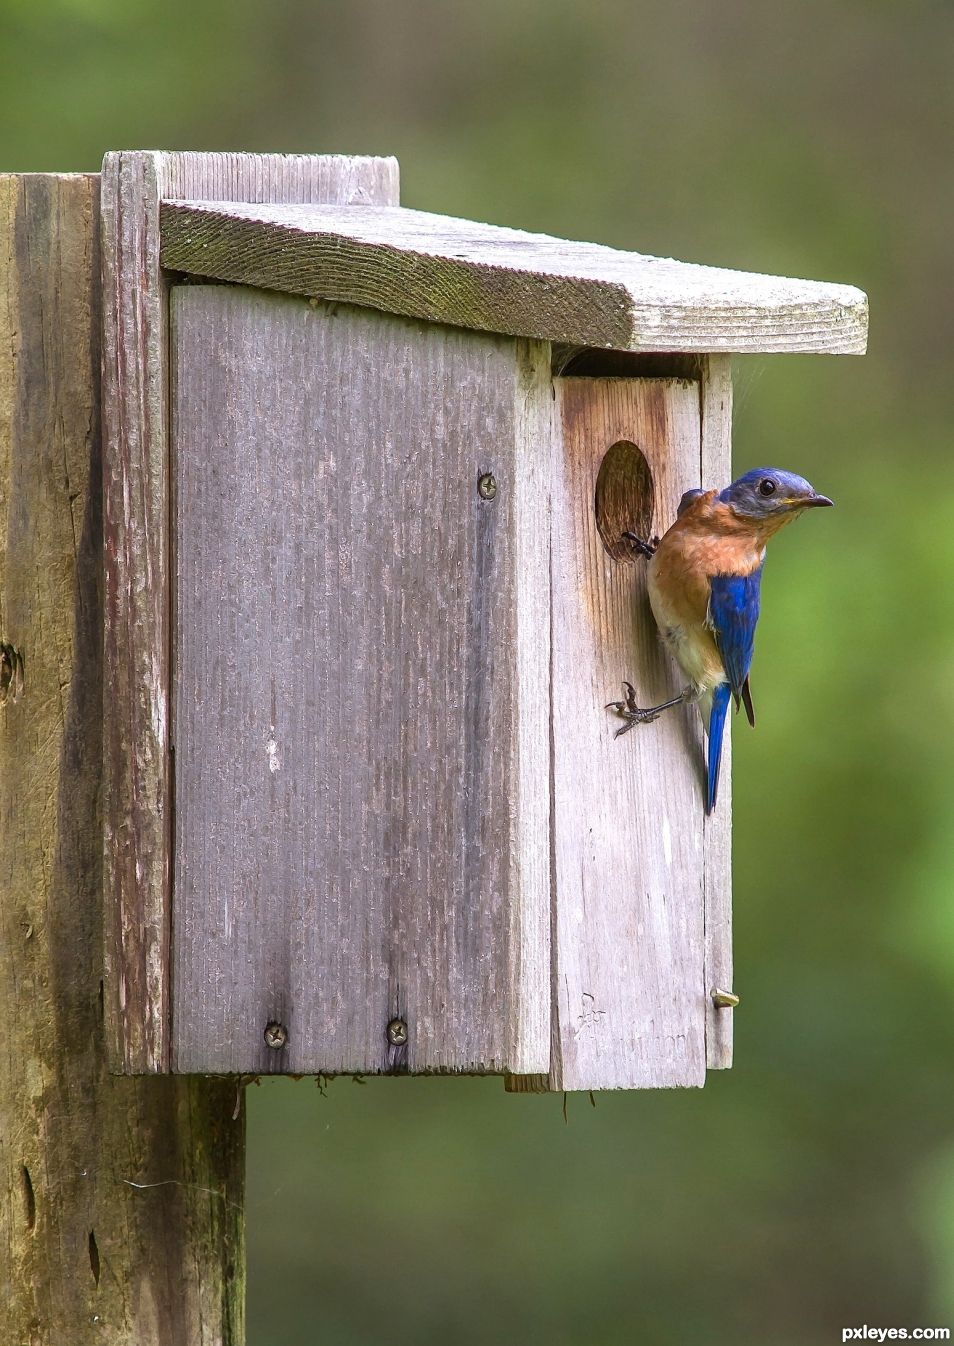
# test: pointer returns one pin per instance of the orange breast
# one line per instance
(707, 539)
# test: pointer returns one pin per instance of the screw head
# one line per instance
(724, 999)
(487, 486)
(397, 1032)
(276, 1036)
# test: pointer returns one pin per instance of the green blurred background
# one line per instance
(812, 1187)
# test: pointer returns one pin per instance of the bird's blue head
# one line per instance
(767, 494)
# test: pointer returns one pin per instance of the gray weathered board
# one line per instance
(360, 673)
(137, 803)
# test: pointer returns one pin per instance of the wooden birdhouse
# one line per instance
(368, 472)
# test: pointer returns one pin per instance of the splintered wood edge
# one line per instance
(138, 768)
(482, 276)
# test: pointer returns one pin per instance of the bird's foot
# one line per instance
(630, 712)
(634, 714)
(641, 546)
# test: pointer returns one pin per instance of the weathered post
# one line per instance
(120, 1198)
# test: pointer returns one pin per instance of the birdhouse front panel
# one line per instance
(360, 711)
(629, 834)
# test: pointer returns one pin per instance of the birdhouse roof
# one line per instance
(494, 279)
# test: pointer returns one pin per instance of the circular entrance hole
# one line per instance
(625, 499)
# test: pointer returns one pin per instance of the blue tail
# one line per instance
(720, 708)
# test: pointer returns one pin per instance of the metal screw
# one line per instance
(723, 999)
(397, 1032)
(276, 1036)
(487, 486)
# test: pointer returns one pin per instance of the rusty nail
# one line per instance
(397, 1032)
(276, 1035)
(487, 486)
(724, 999)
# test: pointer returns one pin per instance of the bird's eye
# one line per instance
(767, 486)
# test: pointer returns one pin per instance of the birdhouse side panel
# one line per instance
(361, 799)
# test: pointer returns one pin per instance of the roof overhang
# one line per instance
(482, 276)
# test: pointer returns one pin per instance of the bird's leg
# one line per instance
(634, 714)
(641, 546)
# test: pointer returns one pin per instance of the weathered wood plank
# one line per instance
(717, 471)
(135, 378)
(120, 1200)
(629, 952)
(136, 782)
(505, 280)
(530, 807)
(361, 672)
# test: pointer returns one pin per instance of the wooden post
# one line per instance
(120, 1199)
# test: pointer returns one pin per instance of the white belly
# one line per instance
(691, 644)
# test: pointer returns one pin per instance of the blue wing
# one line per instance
(733, 615)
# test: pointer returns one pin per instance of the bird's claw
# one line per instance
(641, 546)
(630, 712)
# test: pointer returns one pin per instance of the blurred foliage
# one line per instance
(813, 1186)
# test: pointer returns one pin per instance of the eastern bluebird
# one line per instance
(704, 580)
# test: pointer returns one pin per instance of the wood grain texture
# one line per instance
(716, 377)
(529, 809)
(136, 489)
(629, 939)
(506, 280)
(361, 673)
(120, 1199)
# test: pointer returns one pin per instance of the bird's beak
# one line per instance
(818, 500)
(808, 501)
